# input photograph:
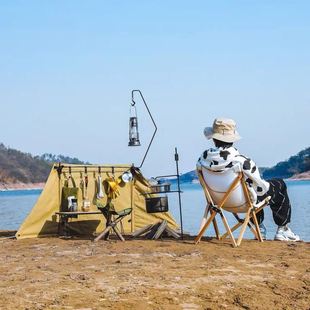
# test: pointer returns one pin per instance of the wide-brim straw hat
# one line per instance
(223, 129)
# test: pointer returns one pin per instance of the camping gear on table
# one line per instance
(227, 190)
(68, 192)
(72, 204)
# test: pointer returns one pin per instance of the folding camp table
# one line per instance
(63, 226)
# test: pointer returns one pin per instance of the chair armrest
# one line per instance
(263, 202)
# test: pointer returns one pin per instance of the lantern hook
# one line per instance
(133, 103)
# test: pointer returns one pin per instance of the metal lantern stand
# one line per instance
(133, 125)
(154, 232)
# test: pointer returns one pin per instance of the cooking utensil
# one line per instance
(86, 202)
(100, 193)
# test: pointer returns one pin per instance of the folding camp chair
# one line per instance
(228, 191)
(112, 218)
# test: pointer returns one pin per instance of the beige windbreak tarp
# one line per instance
(43, 221)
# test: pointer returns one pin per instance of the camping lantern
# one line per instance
(133, 124)
(133, 128)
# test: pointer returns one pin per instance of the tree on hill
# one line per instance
(52, 158)
(16, 166)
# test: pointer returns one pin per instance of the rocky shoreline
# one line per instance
(301, 176)
(20, 186)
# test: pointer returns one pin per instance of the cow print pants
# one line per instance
(279, 203)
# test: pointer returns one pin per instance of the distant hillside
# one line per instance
(16, 166)
(189, 177)
(295, 165)
(19, 167)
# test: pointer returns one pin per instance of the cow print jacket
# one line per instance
(220, 159)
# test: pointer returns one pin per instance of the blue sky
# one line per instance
(67, 69)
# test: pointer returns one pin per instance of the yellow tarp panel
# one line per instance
(42, 220)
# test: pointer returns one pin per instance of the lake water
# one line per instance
(15, 205)
(193, 205)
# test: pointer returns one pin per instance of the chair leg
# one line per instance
(216, 229)
(204, 220)
(249, 224)
(106, 231)
(119, 235)
(205, 217)
(233, 241)
(243, 228)
(204, 228)
(111, 225)
(240, 223)
(259, 235)
(253, 229)
(236, 226)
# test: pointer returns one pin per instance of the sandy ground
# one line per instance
(54, 273)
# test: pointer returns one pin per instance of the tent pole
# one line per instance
(59, 171)
(176, 158)
(132, 204)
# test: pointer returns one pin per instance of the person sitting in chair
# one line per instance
(224, 156)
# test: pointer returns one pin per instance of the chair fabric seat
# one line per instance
(219, 182)
(124, 212)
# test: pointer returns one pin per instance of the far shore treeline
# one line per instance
(292, 167)
(20, 167)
